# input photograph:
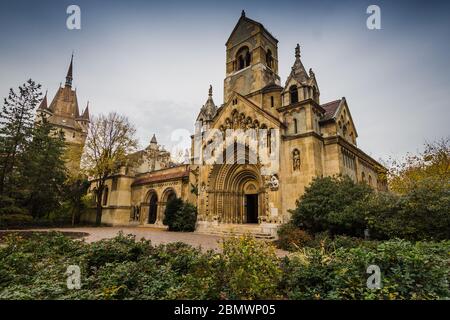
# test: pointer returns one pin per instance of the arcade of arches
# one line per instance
(154, 206)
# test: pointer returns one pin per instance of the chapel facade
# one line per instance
(304, 138)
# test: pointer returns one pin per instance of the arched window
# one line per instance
(105, 196)
(269, 58)
(370, 180)
(293, 94)
(295, 126)
(243, 58)
(271, 102)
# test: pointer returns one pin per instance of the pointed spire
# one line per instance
(243, 14)
(153, 140)
(69, 76)
(43, 105)
(85, 115)
(209, 109)
(298, 71)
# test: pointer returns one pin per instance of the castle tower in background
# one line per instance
(64, 113)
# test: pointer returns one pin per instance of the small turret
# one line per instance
(209, 109)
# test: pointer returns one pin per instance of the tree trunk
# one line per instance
(98, 217)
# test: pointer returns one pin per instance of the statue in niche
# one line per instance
(296, 160)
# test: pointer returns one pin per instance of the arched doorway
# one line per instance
(153, 208)
(167, 195)
(251, 202)
(238, 193)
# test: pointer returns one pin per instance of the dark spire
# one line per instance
(210, 91)
(43, 105)
(69, 76)
(153, 139)
(85, 115)
(243, 13)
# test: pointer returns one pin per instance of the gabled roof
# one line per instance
(161, 175)
(244, 18)
(250, 104)
(330, 109)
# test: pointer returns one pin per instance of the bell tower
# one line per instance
(251, 58)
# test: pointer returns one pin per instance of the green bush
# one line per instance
(291, 238)
(332, 204)
(15, 220)
(180, 215)
(408, 271)
(422, 213)
(34, 267)
(339, 206)
(250, 269)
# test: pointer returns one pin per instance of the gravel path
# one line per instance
(156, 235)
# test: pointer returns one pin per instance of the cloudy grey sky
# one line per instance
(154, 61)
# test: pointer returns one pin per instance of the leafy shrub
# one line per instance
(331, 204)
(250, 269)
(119, 249)
(8, 207)
(180, 215)
(292, 238)
(408, 271)
(15, 220)
(422, 213)
(123, 268)
(339, 206)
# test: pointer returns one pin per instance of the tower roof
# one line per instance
(85, 115)
(209, 109)
(244, 18)
(153, 140)
(69, 76)
(298, 71)
(43, 105)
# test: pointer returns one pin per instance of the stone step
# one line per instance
(257, 234)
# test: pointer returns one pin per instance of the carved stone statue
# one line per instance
(296, 160)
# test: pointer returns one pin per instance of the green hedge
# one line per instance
(339, 206)
(123, 268)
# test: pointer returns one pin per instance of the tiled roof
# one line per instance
(330, 109)
(160, 176)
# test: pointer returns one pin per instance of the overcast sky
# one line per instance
(154, 61)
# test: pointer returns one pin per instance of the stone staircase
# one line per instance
(230, 230)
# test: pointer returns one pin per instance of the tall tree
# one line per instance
(16, 124)
(433, 165)
(75, 189)
(44, 169)
(110, 140)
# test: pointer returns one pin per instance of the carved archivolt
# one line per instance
(240, 121)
